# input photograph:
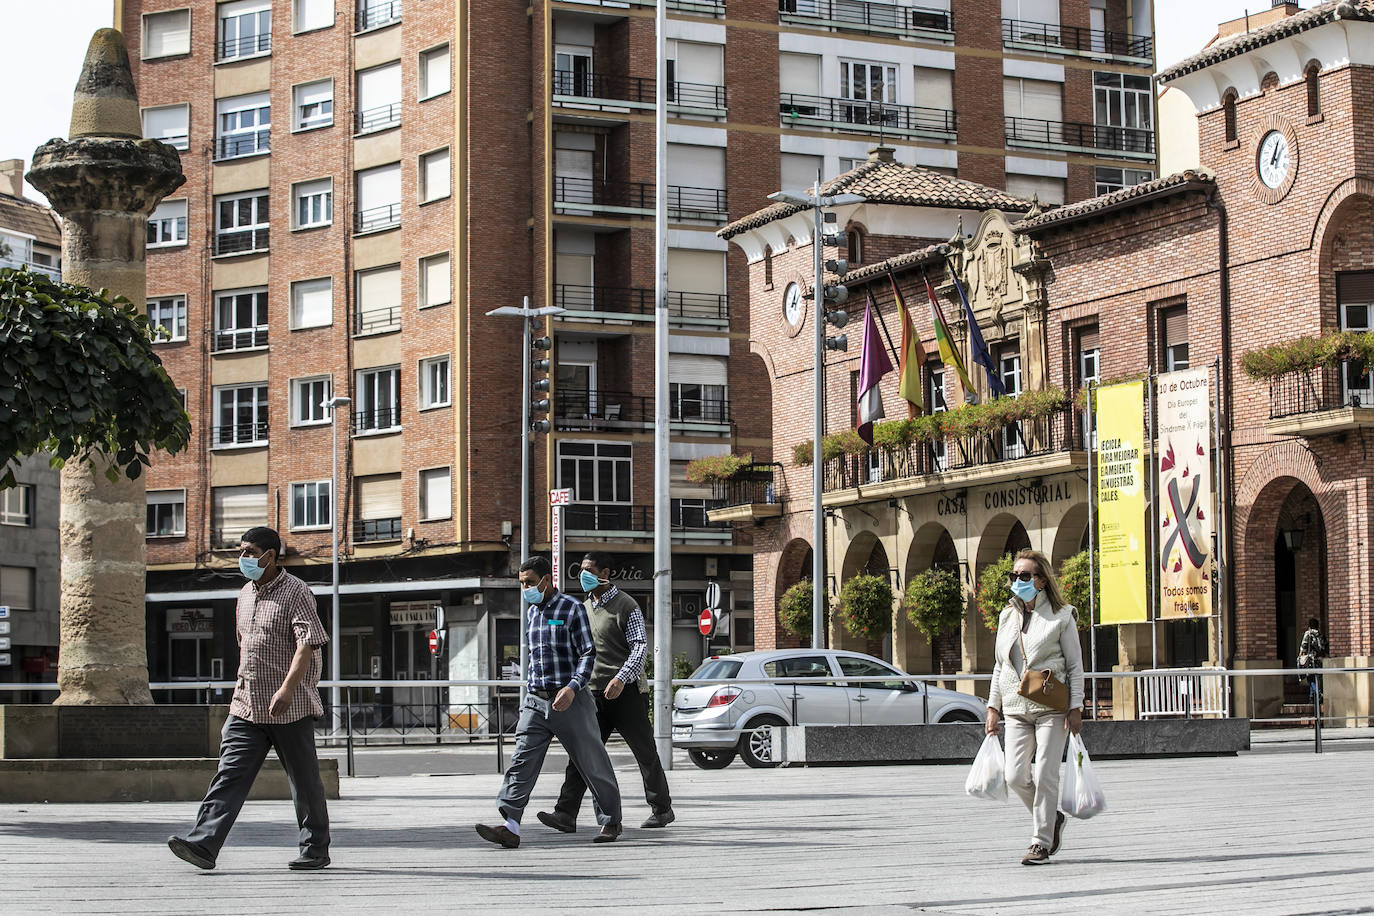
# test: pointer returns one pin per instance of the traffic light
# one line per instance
(539, 397)
(835, 294)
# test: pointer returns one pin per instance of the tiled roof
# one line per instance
(932, 254)
(30, 218)
(881, 180)
(1178, 183)
(1240, 44)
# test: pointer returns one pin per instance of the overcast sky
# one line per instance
(40, 73)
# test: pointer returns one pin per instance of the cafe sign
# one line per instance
(413, 614)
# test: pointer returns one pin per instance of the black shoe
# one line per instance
(608, 834)
(660, 819)
(501, 835)
(308, 863)
(558, 821)
(190, 852)
(1058, 831)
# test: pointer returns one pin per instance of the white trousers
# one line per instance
(1041, 737)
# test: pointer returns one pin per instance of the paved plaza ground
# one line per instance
(1276, 830)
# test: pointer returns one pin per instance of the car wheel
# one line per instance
(711, 760)
(756, 744)
(959, 715)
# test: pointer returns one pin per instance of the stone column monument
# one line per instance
(104, 182)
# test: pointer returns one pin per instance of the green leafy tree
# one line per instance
(934, 602)
(79, 379)
(994, 592)
(794, 610)
(866, 606)
(1074, 581)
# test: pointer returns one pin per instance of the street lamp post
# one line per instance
(817, 202)
(331, 405)
(527, 372)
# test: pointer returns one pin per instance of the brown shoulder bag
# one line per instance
(1042, 686)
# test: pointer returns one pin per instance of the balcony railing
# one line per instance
(380, 419)
(243, 46)
(245, 339)
(378, 118)
(1131, 141)
(1092, 42)
(862, 16)
(374, 321)
(700, 410)
(1056, 433)
(372, 14)
(580, 409)
(241, 241)
(608, 517)
(621, 301)
(368, 530)
(822, 111)
(20, 263)
(1325, 388)
(600, 195)
(636, 90)
(754, 485)
(386, 216)
(239, 434)
(250, 143)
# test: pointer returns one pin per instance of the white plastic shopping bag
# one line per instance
(988, 778)
(1080, 794)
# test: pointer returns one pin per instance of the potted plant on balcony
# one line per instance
(866, 606)
(717, 468)
(934, 602)
(1075, 579)
(1304, 353)
(794, 609)
(994, 591)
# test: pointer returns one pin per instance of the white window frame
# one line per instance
(173, 498)
(1117, 105)
(423, 503)
(1120, 178)
(301, 288)
(423, 287)
(261, 210)
(427, 56)
(16, 506)
(425, 193)
(310, 489)
(255, 396)
(182, 140)
(428, 396)
(392, 108)
(241, 13)
(321, 208)
(297, 28)
(166, 16)
(261, 314)
(848, 77)
(297, 386)
(300, 120)
(366, 400)
(253, 139)
(176, 304)
(168, 221)
(597, 498)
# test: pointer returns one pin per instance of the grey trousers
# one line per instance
(1036, 782)
(242, 750)
(577, 730)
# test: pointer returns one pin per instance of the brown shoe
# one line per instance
(608, 834)
(1036, 855)
(500, 835)
(1058, 831)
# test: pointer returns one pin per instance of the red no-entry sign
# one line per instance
(433, 642)
(706, 621)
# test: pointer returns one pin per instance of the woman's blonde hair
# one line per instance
(1046, 572)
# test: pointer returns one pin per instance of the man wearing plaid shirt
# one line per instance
(274, 705)
(557, 705)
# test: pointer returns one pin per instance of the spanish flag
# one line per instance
(948, 355)
(910, 359)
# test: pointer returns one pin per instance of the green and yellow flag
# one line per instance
(910, 359)
(948, 355)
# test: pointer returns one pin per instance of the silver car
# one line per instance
(716, 721)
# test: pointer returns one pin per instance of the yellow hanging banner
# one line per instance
(1120, 459)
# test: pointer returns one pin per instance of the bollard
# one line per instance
(348, 695)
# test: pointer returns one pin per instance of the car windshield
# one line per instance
(717, 669)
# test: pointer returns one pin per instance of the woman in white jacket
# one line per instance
(1039, 619)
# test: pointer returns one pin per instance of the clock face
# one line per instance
(792, 304)
(1272, 159)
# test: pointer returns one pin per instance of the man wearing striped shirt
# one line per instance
(557, 704)
(621, 694)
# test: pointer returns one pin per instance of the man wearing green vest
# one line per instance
(621, 693)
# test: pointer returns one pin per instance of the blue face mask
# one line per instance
(1026, 591)
(250, 568)
(533, 595)
(588, 580)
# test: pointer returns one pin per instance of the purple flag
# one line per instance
(873, 365)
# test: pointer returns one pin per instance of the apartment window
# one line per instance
(854, 245)
(233, 510)
(572, 73)
(597, 472)
(1123, 101)
(696, 179)
(241, 223)
(166, 514)
(1228, 110)
(379, 98)
(935, 88)
(167, 316)
(1043, 188)
(434, 382)
(308, 399)
(1173, 323)
(16, 506)
(1108, 180)
(868, 81)
(375, 13)
(166, 34)
(379, 508)
(240, 319)
(312, 303)
(434, 179)
(1038, 100)
(1314, 92)
(16, 587)
(168, 123)
(379, 198)
(377, 399)
(1089, 357)
(435, 77)
(436, 494)
(312, 105)
(696, 402)
(313, 203)
(244, 125)
(313, 14)
(688, 512)
(310, 504)
(799, 171)
(1009, 369)
(240, 416)
(245, 29)
(167, 225)
(435, 285)
(379, 300)
(1355, 303)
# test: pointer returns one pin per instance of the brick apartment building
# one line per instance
(365, 180)
(1257, 249)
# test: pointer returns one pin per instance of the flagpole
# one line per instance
(883, 322)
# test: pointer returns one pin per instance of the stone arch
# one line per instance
(865, 555)
(999, 534)
(1071, 535)
(931, 545)
(794, 565)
